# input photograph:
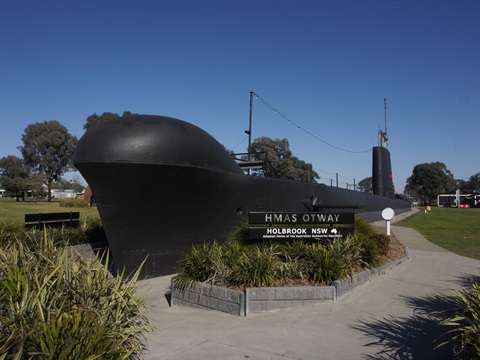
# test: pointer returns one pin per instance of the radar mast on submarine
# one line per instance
(382, 135)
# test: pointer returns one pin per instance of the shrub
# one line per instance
(232, 251)
(370, 253)
(322, 266)
(348, 251)
(10, 230)
(56, 306)
(465, 334)
(89, 231)
(255, 268)
(295, 250)
(202, 264)
(363, 228)
(293, 269)
(239, 233)
(294, 260)
(71, 203)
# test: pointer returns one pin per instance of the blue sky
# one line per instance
(325, 65)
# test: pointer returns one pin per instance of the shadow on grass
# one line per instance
(414, 337)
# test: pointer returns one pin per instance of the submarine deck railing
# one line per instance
(244, 162)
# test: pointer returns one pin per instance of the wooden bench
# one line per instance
(56, 220)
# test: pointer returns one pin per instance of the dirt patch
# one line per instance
(395, 251)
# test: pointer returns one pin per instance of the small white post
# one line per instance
(388, 214)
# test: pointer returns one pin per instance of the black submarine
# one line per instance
(162, 184)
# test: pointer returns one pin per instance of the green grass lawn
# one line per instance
(457, 230)
(10, 209)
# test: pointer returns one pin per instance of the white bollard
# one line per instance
(388, 214)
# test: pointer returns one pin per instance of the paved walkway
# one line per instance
(390, 317)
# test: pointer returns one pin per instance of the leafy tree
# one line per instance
(365, 185)
(429, 180)
(48, 148)
(473, 183)
(286, 166)
(14, 175)
(74, 184)
(94, 119)
(461, 184)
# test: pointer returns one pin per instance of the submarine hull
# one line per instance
(155, 207)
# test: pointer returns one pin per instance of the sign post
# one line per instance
(309, 225)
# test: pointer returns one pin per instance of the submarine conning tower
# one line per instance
(382, 181)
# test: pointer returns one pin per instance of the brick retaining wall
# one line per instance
(209, 297)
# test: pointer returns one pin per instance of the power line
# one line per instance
(398, 180)
(305, 130)
(240, 143)
(337, 176)
(325, 172)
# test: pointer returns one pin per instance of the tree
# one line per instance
(473, 183)
(429, 180)
(48, 149)
(286, 166)
(14, 175)
(94, 119)
(461, 184)
(365, 185)
(73, 184)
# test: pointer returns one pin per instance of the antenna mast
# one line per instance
(249, 131)
(382, 135)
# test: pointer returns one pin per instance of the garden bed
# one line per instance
(284, 295)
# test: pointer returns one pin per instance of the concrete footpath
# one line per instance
(390, 317)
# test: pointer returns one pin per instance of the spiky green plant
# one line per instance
(54, 305)
(296, 249)
(294, 262)
(239, 233)
(323, 267)
(465, 323)
(363, 227)
(255, 268)
(203, 264)
(232, 251)
(348, 251)
(370, 252)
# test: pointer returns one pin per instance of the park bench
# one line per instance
(56, 220)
